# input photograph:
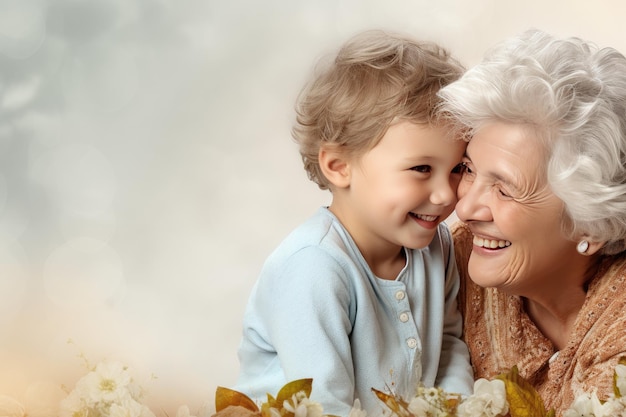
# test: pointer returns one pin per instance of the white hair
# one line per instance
(572, 94)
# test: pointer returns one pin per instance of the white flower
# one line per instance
(583, 406)
(420, 407)
(274, 412)
(620, 373)
(488, 400)
(301, 406)
(588, 405)
(107, 391)
(356, 410)
(611, 408)
(108, 383)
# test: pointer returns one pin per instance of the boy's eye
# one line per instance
(460, 168)
(421, 168)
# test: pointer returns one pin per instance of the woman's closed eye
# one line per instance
(503, 194)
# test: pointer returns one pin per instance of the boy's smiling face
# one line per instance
(401, 189)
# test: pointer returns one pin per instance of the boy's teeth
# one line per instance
(491, 244)
(426, 217)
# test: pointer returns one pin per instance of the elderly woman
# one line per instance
(542, 207)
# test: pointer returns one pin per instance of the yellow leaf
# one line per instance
(524, 401)
(285, 393)
(396, 405)
(271, 401)
(294, 387)
(265, 408)
(226, 396)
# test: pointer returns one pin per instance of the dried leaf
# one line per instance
(396, 405)
(524, 401)
(285, 393)
(226, 396)
(294, 387)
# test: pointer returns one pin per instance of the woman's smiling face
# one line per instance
(516, 219)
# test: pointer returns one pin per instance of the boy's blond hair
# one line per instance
(376, 78)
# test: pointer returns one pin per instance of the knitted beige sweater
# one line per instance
(499, 334)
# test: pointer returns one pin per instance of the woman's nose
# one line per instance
(472, 204)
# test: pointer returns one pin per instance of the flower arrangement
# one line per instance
(589, 405)
(110, 390)
(292, 400)
(506, 395)
(106, 391)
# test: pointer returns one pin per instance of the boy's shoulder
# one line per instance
(321, 231)
(317, 246)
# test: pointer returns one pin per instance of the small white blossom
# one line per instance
(274, 412)
(588, 405)
(107, 391)
(421, 407)
(356, 410)
(583, 406)
(611, 408)
(488, 400)
(301, 406)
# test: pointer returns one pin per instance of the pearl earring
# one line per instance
(582, 246)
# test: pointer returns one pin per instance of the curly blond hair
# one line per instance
(375, 79)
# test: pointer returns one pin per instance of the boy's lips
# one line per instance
(425, 217)
(427, 221)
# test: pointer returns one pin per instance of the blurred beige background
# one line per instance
(147, 168)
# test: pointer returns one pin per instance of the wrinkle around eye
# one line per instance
(468, 176)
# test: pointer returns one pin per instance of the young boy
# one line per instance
(363, 294)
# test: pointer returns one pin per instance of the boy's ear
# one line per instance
(335, 166)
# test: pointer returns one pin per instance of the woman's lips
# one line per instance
(490, 243)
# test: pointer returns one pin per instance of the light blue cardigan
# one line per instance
(317, 311)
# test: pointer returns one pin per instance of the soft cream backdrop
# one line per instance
(147, 167)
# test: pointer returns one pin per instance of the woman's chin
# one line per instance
(485, 274)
